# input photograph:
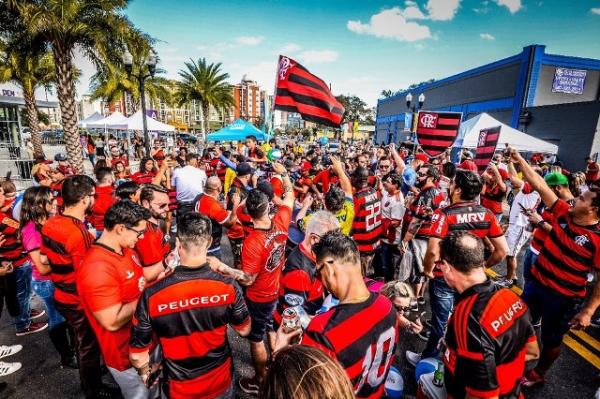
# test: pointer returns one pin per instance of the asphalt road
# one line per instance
(41, 377)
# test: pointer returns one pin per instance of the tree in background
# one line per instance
(206, 83)
(27, 62)
(95, 28)
(112, 81)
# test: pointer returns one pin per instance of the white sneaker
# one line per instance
(9, 350)
(8, 368)
(413, 357)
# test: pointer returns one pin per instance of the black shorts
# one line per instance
(261, 314)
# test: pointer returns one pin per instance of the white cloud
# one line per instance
(595, 11)
(319, 56)
(512, 5)
(249, 40)
(486, 36)
(413, 12)
(391, 24)
(442, 10)
(289, 48)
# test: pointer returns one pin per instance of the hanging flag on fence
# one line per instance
(486, 146)
(437, 131)
(298, 90)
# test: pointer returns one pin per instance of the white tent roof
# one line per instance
(469, 131)
(134, 122)
(96, 116)
(116, 120)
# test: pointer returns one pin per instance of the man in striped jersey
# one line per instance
(557, 289)
(361, 332)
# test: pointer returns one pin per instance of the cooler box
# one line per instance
(426, 389)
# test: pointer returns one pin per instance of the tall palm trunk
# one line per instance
(33, 123)
(206, 110)
(66, 97)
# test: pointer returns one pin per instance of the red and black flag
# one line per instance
(298, 90)
(437, 131)
(486, 146)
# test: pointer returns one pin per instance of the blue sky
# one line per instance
(362, 47)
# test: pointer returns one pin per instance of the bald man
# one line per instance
(209, 205)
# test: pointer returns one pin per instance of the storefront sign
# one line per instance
(8, 93)
(569, 81)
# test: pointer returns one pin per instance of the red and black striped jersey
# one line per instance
(153, 246)
(143, 177)
(362, 337)
(569, 253)
(12, 248)
(188, 311)
(486, 343)
(465, 216)
(429, 198)
(172, 199)
(539, 234)
(65, 242)
(492, 197)
(366, 227)
(299, 277)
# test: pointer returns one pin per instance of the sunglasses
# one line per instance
(403, 309)
(384, 166)
(139, 233)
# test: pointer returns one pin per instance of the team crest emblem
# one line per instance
(581, 240)
(284, 65)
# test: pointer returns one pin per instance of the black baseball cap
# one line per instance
(244, 169)
(266, 187)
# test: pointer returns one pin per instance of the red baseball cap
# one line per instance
(305, 166)
(468, 165)
(422, 157)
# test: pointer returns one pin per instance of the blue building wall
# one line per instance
(503, 89)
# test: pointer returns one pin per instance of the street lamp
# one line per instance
(412, 107)
(141, 77)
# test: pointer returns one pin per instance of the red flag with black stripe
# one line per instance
(298, 90)
(437, 131)
(486, 146)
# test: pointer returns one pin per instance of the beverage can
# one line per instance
(290, 319)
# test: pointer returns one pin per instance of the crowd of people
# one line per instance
(143, 273)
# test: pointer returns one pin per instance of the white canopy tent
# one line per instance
(135, 122)
(116, 120)
(469, 134)
(96, 116)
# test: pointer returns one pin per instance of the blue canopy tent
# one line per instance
(237, 131)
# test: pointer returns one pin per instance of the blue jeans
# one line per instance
(45, 290)
(23, 283)
(442, 301)
(528, 260)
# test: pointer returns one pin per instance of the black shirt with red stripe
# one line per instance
(569, 253)
(366, 227)
(362, 337)
(188, 311)
(486, 343)
(299, 277)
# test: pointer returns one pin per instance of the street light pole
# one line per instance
(141, 77)
(414, 109)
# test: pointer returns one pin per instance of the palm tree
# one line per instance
(387, 93)
(207, 84)
(95, 28)
(27, 63)
(112, 81)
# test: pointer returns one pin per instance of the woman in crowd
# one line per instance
(120, 172)
(146, 173)
(303, 372)
(401, 295)
(39, 205)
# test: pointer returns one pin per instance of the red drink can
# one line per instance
(290, 319)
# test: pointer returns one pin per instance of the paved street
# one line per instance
(576, 374)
